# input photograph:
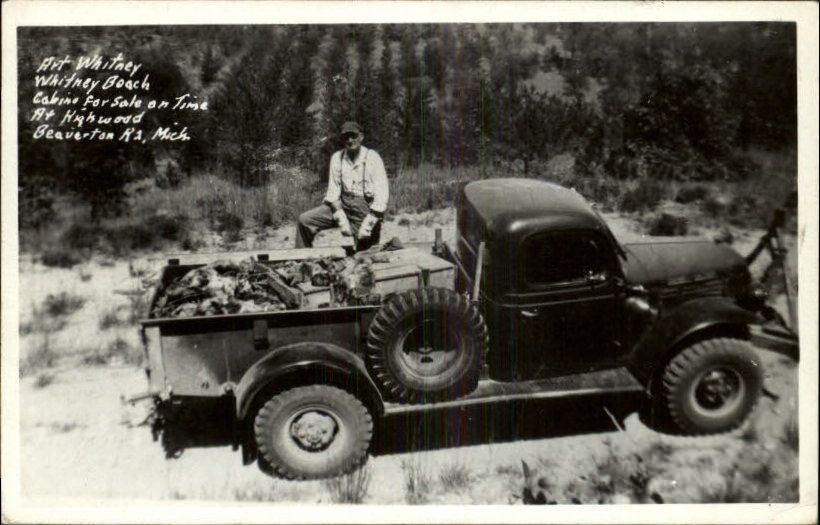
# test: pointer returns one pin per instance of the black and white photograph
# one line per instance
(348, 257)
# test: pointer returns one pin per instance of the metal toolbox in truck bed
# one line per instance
(409, 268)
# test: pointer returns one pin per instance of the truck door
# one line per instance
(569, 311)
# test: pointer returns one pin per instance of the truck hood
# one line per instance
(667, 260)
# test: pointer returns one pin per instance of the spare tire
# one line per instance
(427, 345)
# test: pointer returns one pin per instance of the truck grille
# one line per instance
(681, 292)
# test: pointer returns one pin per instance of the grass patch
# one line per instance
(118, 351)
(82, 236)
(40, 324)
(645, 196)
(604, 191)
(255, 493)
(751, 487)
(61, 257)
(64, 428)
(212, 199)
(689, 193)
(429, 187)
(791, 435)
(137, 305)
(62, 304)
(111, 319)
(229, 225)
(41, 355)
(118, 236)
(454, 475)
(417, 482)
(43, 380)
(620, 478)
(349, 488)
(667, 224)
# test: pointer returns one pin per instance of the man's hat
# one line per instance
(351, 127)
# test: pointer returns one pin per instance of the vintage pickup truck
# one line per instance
(534, 287)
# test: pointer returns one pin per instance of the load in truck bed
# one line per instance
(244, 282)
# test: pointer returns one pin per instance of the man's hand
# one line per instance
(366, 229)
(344, 224)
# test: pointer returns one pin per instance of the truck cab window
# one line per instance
(563, 257)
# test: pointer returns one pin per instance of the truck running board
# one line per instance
(604, 382)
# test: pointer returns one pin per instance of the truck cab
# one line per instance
(550, 272)
(561, 295)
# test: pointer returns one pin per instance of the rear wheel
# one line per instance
(712, 386)
(313, 432)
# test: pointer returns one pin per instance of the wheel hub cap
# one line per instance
(313, 430)
(717, 388)
(429, 350)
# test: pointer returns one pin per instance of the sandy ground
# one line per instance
(80, 441)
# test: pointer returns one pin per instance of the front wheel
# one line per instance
(712, 386)
(313, 432)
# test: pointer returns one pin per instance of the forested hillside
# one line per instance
(662, 101)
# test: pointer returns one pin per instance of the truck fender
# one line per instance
(709, 316)
(307, 363)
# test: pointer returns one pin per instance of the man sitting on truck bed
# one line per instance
(356, 198)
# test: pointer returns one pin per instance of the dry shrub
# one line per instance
(743, 485)
(691, 193)
(137, 305)
(40, 355)
(64, 428)
(211, 197)
(43, 380)
(349, 488)
(428, 187)
(667, 224)
(454, 475)
(719, 206)
(60, 257)
(605, 191)
(645, 196)
(791, 435)
(118, 351)
(417, 483)
(82, 237)
(111, 319)
(621, 478)
(254, 493)
(229, 225)
(62, 304)
(536, 489)
(762, 471)
(147, 232)
(151, 230)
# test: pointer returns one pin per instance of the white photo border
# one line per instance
(73, 13)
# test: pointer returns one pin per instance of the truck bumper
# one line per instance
(777, 339)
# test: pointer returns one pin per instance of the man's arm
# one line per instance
(334, 183)
(381, 191)
(380, 195)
